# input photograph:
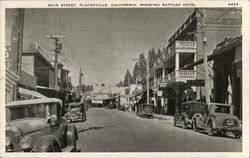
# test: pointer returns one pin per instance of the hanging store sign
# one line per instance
(159, 93)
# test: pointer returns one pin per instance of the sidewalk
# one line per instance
(159, 116)
(163, 117)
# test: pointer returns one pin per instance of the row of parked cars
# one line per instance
(38, 125)
(214, 118)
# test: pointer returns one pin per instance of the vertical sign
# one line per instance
(17, 41)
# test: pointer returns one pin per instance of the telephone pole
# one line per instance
(80, 81)
(58, 48)
(204, 42)
(147, 67)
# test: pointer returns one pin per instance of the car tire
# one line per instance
(184, 126)
(72, 136)
(210, 130)
(221, 133)
(194, 126)
(174, 122)
(237, 135)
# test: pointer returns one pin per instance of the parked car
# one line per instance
(76, 112)
(145, 110)
(218, 118)
(37, 126)
(122, 108)
(183, 116)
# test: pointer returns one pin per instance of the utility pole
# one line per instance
(58, 48)
(128, 90)
(204, 42)
(80, 82)
(147, 67)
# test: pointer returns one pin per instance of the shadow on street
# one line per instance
(94, 128)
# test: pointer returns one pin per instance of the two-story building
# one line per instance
(178, 82)
(35, 63)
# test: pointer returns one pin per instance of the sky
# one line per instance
(102, 42)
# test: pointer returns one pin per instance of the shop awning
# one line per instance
(28, 94)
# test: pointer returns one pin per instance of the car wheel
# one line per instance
(220, 133)
(237, 135)
(72, 136)
(184, 126)
(194, 125)
(210, 131)
(174, 122)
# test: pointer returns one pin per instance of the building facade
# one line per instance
(175, 81)
(36, 64)
(227, 57)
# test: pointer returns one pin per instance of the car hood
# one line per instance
(28, 125)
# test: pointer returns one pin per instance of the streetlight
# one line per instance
(147, 76)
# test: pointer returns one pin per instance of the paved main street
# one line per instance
(116, 131)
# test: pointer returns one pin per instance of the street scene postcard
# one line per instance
(124, 78)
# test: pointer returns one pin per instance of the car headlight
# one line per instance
(7, 141)
(26, 143)
(8, 145)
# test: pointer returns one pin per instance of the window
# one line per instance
(222, 109)
(34, 110)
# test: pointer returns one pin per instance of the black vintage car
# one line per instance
(37, 126)
(218, 119)
(145, 110)
(76, 112)
(184, 114)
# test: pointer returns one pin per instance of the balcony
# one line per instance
(181, 47)
(185, 44)
(182, 75)
(179, 75)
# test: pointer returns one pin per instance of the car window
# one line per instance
(33, 110)
(51, 109)
(186, 107)
(222, 109)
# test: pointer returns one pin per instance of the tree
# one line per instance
(128, 79)
(102, 84)
(164, 51)
(85, 88)
(141, 67)
(152, 57)
(120, 84)
(159, 55)
(136, 72)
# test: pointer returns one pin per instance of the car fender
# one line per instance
(72, 135)
(47, 143)
(196, 115)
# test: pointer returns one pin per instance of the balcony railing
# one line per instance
(185, 44)
(177, 75)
